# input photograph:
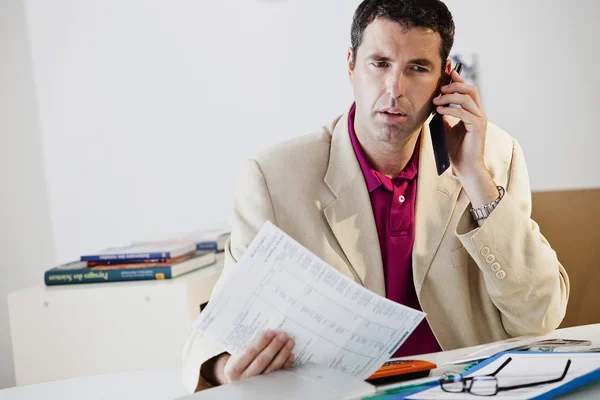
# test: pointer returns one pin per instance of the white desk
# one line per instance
(166, 384)
(149, 385)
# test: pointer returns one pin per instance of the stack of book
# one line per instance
(140, 261)
(210, 240)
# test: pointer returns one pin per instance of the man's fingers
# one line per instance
(290, 362)
(465, 116)
(466, 102)
(269, 352)
(458, 87)
(456, 77)
(464, 88)
(281, 357)
(237, 364)
(266, 356)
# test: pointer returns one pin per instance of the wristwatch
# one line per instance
(484, 211)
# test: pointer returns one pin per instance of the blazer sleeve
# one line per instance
(251, 209)
(522, 273)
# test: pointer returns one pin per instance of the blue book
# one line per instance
(79, 272)
(206, 245)
(139, 252)
(210, 239)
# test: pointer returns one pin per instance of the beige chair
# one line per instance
(570, 220)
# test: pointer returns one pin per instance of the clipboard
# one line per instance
(585, 369)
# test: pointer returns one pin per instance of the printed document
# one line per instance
(278, 284)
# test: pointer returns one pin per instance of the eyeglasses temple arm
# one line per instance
(538, 383)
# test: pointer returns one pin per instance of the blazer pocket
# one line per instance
(460, 257)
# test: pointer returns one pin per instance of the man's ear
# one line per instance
(448, 68)
(350, 63)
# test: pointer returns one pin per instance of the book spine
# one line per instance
(130, 261)
(206, 246)
(126, 257)
(90, 276)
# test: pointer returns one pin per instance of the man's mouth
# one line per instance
(393, 116)
(393, 112)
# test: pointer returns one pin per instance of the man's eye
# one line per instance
(381, 64)
(418, 68)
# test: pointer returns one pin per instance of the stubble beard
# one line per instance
(393, 133)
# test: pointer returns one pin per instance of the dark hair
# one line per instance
(432, 14)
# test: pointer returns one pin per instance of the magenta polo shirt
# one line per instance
(393, 204)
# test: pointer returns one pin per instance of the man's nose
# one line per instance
(396, 85)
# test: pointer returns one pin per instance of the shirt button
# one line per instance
(485, 251)
(500, 274)
(490, 258)
(402, 199)
(495, 267)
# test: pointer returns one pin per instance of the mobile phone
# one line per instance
(438, 135)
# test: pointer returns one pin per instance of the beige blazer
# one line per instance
(476, 284)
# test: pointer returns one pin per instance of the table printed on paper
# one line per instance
(278, 284)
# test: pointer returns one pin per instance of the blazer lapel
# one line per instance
(350, 216)
(436, 199)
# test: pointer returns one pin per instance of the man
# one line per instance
(363, 194)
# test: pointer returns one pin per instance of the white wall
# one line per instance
(146, 107)
(539, 61)
(26, 242)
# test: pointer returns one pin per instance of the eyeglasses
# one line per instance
(487, 385)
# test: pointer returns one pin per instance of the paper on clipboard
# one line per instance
(486, 351)
(278, 284)
(526, 367)
(524, 343)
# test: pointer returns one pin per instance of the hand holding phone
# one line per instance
(438, 135)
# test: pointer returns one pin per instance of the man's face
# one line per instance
(395, 78)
